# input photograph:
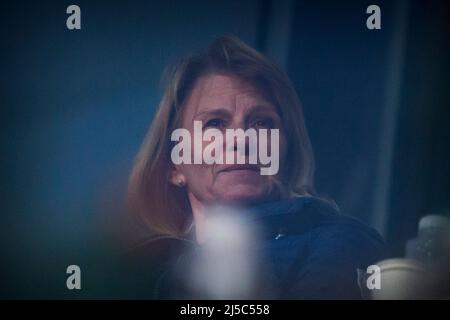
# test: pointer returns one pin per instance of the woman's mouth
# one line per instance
(240, 167)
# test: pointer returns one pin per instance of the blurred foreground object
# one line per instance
(401, 279)
(226, 266)
(425, 273)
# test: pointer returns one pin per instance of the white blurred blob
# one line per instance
(226, 266)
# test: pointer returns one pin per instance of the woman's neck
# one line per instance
(199, 212)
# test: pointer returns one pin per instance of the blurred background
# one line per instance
(75, 106)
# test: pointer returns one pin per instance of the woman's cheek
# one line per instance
(202, 174)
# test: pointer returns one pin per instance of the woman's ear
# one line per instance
(177, 178)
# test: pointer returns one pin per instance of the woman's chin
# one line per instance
(242, 195)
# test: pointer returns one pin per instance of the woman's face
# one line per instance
(227, 102)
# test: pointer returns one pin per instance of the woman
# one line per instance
(307, 249)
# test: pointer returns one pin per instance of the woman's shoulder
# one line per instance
(322, 250)
(326, 229)
(314, 216)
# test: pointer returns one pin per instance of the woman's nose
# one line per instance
(238, 137)
(238, 124)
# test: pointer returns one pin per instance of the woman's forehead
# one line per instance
(223, 91)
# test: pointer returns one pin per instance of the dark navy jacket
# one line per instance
(310, 250)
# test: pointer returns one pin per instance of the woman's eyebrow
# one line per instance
(264, 108)
(218, 111)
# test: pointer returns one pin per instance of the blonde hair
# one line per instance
(164, 207)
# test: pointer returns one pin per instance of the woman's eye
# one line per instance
(264, 123)
(217, 123)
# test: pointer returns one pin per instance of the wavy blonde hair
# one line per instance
(165, 208)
